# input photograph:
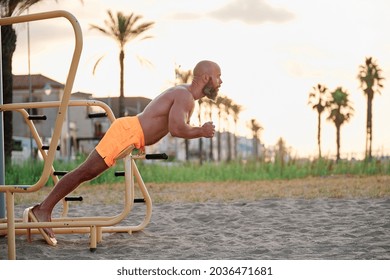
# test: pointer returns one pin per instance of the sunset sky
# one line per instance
(272, 52)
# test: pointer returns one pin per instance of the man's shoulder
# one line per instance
(179, 91)
(181, 88)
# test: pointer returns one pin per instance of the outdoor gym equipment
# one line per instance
(94, 225)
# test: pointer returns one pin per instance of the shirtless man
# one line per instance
(169, 112)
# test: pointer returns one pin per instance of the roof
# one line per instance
(38, 81)
(81, 95)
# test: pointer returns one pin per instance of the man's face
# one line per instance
(210, 90)
(212, 87)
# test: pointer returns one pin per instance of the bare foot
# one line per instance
(43, 216)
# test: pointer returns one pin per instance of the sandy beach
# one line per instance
(290, 228)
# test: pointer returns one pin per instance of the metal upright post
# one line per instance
(2, 169)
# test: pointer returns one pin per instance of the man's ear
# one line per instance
(206, 78)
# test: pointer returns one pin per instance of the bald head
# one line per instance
(205, 67)
(207, 74)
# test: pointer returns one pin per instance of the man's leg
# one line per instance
(93, 166)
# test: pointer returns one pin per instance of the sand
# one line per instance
(325, 218)
(267, 229)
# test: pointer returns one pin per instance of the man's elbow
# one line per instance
(176, 133)
(181, 133)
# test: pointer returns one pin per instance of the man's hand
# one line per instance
(208, 129)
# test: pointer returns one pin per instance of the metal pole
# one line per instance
(29, 83)
(2, 169)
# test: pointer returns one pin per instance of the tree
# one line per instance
(370, 77)
(340, 112)
(8, 45)
(281, 154)
(318, 98)
(255, 127)
(227, 102)
(236, 109)
(122, 29)
(219, 104)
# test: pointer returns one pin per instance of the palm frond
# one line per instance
(96, 64)
(102, 30)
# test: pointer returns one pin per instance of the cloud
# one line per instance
(186, 16)
(248, 11)
(251, 12)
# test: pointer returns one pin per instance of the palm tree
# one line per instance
(236, 109)
(219, 105)
(122, 29)
(281, 153)
(227, 102)
(255, 128)
(8, 45)
(371, 82)
(183, 77)
(318, 98)
(340, 112)
(9, 8)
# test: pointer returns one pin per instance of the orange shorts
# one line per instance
(122, 133)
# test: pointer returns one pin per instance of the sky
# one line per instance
(271, 53)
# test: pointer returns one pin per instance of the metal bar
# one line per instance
(2, 162)
(62, 112)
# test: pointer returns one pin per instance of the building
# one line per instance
(80, 132)
(37, 88)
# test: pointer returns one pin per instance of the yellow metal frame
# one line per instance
(95, 225)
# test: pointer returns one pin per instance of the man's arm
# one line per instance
(179, 115)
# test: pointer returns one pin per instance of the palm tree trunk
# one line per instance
(229, 142)
(255, 147)
(186, 147)
(369, 127)
(235, 146)
(8, 45)
(219, 137)
(319, 136)
(211, 152)
(200, 151)
(338, 143)
(122, 93)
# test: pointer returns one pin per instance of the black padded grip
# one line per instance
(37, 117)
(74, 198)
(156, 156)
(60, 173)
(45, 147)
(97, 115)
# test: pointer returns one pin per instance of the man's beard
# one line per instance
(210, 91)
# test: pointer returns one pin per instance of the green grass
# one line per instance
(167, 172)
